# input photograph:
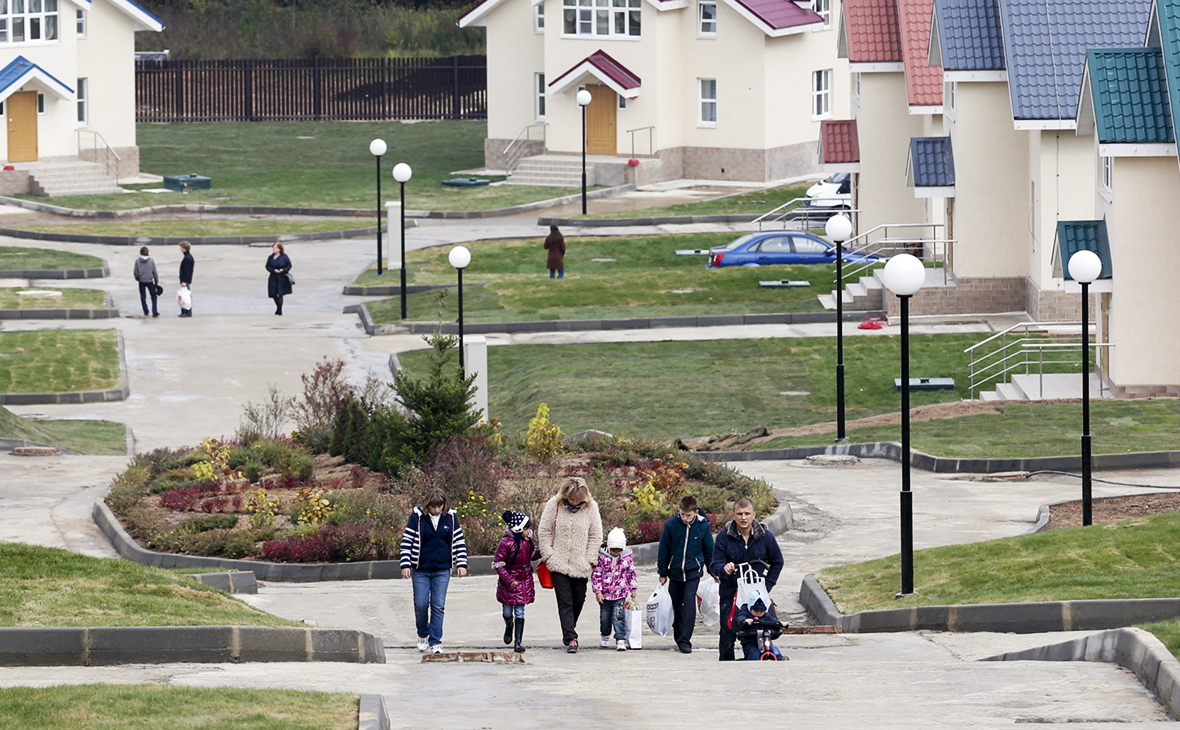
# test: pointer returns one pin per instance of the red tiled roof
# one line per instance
(779, 14)
(611, 68)
(923, 82)
(872, 31)
(840, 141)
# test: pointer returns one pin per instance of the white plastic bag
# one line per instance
(659, 611)
(748, 579)
(184, 298)
(633, 620)
(710, 601)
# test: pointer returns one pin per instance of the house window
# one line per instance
(540, 90)
(40, 103)
(953, 94)
(622, 102)
(81, 21)
(857, 84)
(538, 18)
(1108, 174)
(82, 101)
(707, 18)
(821, 94)
(28, 20)
(618, 18)
(708, 96)
(823, 8)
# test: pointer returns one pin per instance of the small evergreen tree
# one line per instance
(439, 405)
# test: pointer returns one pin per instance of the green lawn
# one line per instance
(315, 164)
(84, 437)
(152, 706)
(42, 586)
(16, 298)
(676, 389)
(180, 228)
(56, 361)
(17, 258)
(1138, 558)
(756, 203)
(645, 279)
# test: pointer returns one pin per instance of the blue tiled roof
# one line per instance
(1130, 91)
(15, 71)
(932, 161)
(1045, 44)
(1074, 236)
(969, 35)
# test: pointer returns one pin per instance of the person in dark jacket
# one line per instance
(758, 613)
(555, 245)
(186, 274)
(744, 539)
(147, 278)
(513, 563)
(686, 548)
(279, 284)
(431, 545)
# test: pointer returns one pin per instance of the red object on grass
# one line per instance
(632, 163)
(871, 323)
(9, 167)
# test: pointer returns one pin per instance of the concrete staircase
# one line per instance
(1049, 386)
(70, 177)
(555, 171)
(866, 294)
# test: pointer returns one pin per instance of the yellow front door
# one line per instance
(22, 126)
(601, 133)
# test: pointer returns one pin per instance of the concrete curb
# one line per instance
(1016, 618)
(944, 465)
(372, 713)
(106, 646)
(10, 444)
(80, 396)
(649, 221)
(195, 240)
(104, 313)
(238, 581)
(1130, 648)
(58, 273)
(517, 209)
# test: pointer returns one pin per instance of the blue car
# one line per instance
(779, 247)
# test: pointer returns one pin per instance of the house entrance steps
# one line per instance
(553, 171)
(68, 176)
(868, 292)
(1046, 387)
(1033, 361)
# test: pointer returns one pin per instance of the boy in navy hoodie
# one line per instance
(686, 547)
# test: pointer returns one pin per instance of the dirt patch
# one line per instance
(1113, 509)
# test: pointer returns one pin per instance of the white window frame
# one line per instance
(40, 17)
(706, 103)
(80, 23)
(823, 8)
(539, 96)
(539, 18)
(83, 102)
(1106, 178)
(622, 101)
(821, 94)
(706, 28)
(602, 19)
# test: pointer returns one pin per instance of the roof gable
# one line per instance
(606, 69)
(871, 32)
(1130, 96)
(1074, 236)
(22, 71)
(1045, 43)
(968, 35)
(839, 141)
(776, 17)
(931, 163)
(1166, 17)
(143, 19)
(923, 82)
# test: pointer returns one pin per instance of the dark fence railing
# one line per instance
(311, 89)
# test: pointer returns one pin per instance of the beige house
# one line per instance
(67, 88)
(697, 89)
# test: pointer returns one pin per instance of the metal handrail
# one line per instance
(514, 159)
(651, 143)
(108, 152)
(995, 365)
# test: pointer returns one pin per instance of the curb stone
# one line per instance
(98, 273)
(10, 444)
(1134, 649)
(1017, 618)
(240, 581)
(195, 240)
(82, 396)
(372, 715)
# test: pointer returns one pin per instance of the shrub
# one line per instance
(465, 467)
(313, 507)
(325, 393)
(265, 420)
(648, 530)
(209, 543)
(203, 524)
(163, 460)
(243, 544)
(353, 542)
(543, 441)
(262, 508)
(129, 488)
(439, 404)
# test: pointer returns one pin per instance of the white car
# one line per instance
(835, 193)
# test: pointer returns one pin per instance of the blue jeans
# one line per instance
(513, 611)
(610, 613)
(559, 273)
(430, 596)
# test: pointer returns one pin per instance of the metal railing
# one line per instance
(651, 139)
(514, 156)
(103, 153)
(1022, 349)
(885, 241)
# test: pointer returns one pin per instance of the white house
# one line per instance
(67, 89)
(697, 89)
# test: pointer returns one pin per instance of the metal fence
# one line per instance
(311, 89)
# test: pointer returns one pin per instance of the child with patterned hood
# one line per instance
(513, 563)
(613, 581)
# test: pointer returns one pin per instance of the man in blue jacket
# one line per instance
(744, 539)
(686, 547)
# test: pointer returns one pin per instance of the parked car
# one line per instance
(835, 193)
(779, 247)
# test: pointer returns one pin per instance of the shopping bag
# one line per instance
(184, 298)
(710, 601)
(633, 621)
(659, 611)
(544, 577)
(749, 578)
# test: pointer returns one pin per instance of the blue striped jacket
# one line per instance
(411, 545)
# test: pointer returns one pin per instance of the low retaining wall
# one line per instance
(1017, 618)
(237, 581)
(372, 713)
(105, 646)
(57, 273)
(83, 396)
(195, 240)
(1131, 648)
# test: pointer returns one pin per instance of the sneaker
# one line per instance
(436, 649)
(572, 647)
(621, 646)
(423, 643)
(604, 642)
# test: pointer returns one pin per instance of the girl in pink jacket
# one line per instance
(613, 580)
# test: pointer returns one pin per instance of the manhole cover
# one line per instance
(603, 260)
(495, 657)
(832, 459)
(794, 392)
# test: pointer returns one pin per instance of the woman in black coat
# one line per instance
(186, 274)
(279, 284)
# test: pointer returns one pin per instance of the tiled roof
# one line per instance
(839, 141)
(1168, 12)
(872, 31)
(605, 68)
(1074, 236)
(1045, 43)
(969, 35)
(923, 82)
(780, 14)
(1130, 92)
(932, 162)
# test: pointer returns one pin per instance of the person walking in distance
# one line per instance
(148, 279)
(186, 277)
(279, 283)
(555, 245)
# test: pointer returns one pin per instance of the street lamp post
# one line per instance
(402, 173)
(377, 148)
(459, 258)
(583, 100)
(904, 275)
(839, 229)
(1084, 267)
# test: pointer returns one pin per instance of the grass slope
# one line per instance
(12, 298)
(57, 361)
(20, 258)
(104, 438)
(755, 203)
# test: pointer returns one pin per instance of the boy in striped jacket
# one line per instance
(431, 545)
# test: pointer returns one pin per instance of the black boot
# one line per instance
(519, 648)
(507, 629)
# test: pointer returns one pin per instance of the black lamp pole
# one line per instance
(907, 496)
(840, 342)
(380, 272)
(462, 369)
(583, 159)
(403, 259)
(1087, 500)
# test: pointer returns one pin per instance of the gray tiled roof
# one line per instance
(932, 161)
(1045, 43)
(969, 35)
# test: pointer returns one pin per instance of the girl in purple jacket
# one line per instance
(513, 563)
